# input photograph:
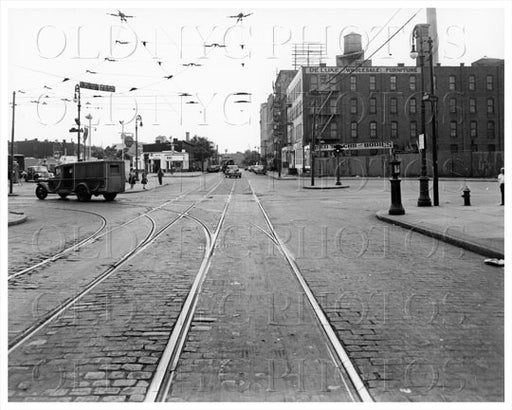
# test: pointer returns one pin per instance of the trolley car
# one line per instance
(85, 179)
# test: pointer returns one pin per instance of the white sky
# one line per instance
(45, 45)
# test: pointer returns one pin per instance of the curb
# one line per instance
(19, 220)
(326, 187)
(452, 240)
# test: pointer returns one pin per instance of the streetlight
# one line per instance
(424, 199)
(89, 117)
(433, 102)
(122, 138)
(76, 99)
(138, 119)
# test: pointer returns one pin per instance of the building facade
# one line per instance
(356, 102)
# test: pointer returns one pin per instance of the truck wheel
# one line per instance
(41, 192)
(110, 196)
(82, 194)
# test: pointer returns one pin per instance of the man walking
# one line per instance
(160, 174)
(501, 181)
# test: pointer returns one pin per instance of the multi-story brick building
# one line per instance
(356, 102)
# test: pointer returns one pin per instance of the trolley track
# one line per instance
(166, 369)
(336, 350)
(153, 234)
(162, 381)
(99, 232)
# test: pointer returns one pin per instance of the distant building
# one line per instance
(166, 155)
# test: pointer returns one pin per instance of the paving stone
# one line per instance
(137, 397)
(95, 375)
(140, 375)
(148, 360)
(132, 367)
(124, 383)
(87, 398)
(80, 391)
(113, 398)
(107, 390)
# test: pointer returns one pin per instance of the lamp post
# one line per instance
(138, 119)
(424, 199)
(89, 117)
(11, 160)
(122, 138)
(337, 151)
(433, 105)
(77, 100)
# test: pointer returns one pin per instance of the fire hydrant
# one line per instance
(466, 194)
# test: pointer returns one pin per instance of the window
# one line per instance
(413, 129)
(472, 106)
(490, 129)
(393, 109)
(353, 106)
(373, 129)
(474, 147)
(373, 105)
(412, 106)
(353, 129)
(353, 83)
(394, 129)
(451, 82)
(392, 83)
(489, 82)
(454, 148)
(332, 104)
(334, 130)
(471, 83)
(314, 82)
(372, 83)
(491, 147)
(473, 130)
(453, 129)
(412, 83)
(490, 106)
(453, 105)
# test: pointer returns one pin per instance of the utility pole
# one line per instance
(77, 99)
(312, 145)
(89, 117)
(11, 168)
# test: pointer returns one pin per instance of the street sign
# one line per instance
(421, 141)
(359, 145)
(98, 87)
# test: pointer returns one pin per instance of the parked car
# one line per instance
(37, 172)
(232, 171)
(85, 179)
(213, 168)
(259, 169)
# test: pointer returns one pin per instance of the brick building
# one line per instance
(355, 102)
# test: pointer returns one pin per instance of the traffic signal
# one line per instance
(337, 148)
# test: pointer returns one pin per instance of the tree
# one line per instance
(251, 157)
(112, 153)
(202, 150)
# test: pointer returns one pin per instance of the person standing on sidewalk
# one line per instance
(501, 181)
(160, 174)
(131, 178)
(144, 179)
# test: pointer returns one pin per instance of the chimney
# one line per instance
(187, 136)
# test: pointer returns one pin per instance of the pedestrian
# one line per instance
(160, 174)
(144, 179)
(501, 181)
(131, 178)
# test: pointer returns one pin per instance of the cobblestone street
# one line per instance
(419, 319)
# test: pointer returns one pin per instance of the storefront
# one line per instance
(168, 161)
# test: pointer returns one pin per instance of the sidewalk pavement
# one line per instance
(479, 229)
(153, 181)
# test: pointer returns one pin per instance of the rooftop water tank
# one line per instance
(352, 43)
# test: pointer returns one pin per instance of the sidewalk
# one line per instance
(16, 218)
(479, 229)
(153, 181)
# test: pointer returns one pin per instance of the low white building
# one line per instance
(167, 160)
